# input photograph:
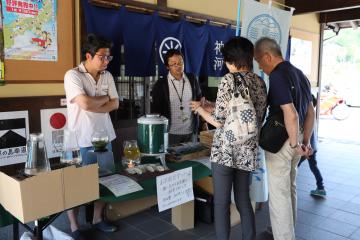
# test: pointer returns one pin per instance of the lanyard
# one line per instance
(177, 93)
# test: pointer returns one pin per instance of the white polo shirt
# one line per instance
(78, 81)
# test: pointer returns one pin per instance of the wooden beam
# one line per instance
(163, 11)
(306, 6)
(340, 16)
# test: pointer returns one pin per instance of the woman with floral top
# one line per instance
(232, 163)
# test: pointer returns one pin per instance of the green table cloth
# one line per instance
(198, 170)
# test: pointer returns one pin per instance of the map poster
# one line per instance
(30, 29)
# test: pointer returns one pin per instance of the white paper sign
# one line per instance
(174, 189)
(53, 123)
(14, 131)
(120, 185)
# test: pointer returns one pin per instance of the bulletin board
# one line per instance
(19, 71)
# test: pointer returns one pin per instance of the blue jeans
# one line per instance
(84, 150)
(313, 163)
(224, 178)
(314, 169)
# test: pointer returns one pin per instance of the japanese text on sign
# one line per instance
(174, 189)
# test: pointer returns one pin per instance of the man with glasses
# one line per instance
(91, 95)
(171, 97)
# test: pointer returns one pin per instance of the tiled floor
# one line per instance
(335, 218)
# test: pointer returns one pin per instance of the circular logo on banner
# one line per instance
(264, 25)
(57, 120)
(167, 44)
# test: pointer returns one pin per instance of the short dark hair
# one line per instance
(171, 53)
(93, 43)
(239, 51)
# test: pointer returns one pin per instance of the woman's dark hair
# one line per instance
(239, 51)
(92, 44)
(171, 53)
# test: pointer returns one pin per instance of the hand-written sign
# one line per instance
(174, 189)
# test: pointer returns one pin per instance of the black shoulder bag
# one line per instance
(273, 133)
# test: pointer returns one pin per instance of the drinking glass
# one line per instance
(70, 153)
(131, 153)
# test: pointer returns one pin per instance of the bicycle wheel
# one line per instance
(341, 112)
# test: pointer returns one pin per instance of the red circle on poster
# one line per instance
(57, 120)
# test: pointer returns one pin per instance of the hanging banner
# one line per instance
(53, 123)
(139, 44)
(195, 44)
(218, 36)
(106, 23)
(169, 35)
(264, 20)
(30, 29)
(14, 130)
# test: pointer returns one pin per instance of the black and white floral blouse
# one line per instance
(242, 156)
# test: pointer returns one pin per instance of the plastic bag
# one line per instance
(49, 233)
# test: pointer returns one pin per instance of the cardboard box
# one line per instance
(48, 193)
(81, 185)
(205, 184)
(117, 210)
(182, 216)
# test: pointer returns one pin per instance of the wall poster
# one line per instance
(14, 130)
(53, 123)
(30, 29)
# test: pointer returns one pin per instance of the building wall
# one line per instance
(26, 90)
(224, 9)
(306, 22)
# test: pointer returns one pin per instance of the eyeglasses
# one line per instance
(259, 58)
(179, 64)
(105, 57)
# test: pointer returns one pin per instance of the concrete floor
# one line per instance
(337, 217)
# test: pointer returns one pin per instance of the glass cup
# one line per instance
(37, 160)
(131, 153)
(70, 153)
(99, 140)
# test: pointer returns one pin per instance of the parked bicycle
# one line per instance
(332, 104)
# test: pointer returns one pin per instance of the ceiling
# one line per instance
(336, 14)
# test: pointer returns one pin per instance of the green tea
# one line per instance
(99, 145)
